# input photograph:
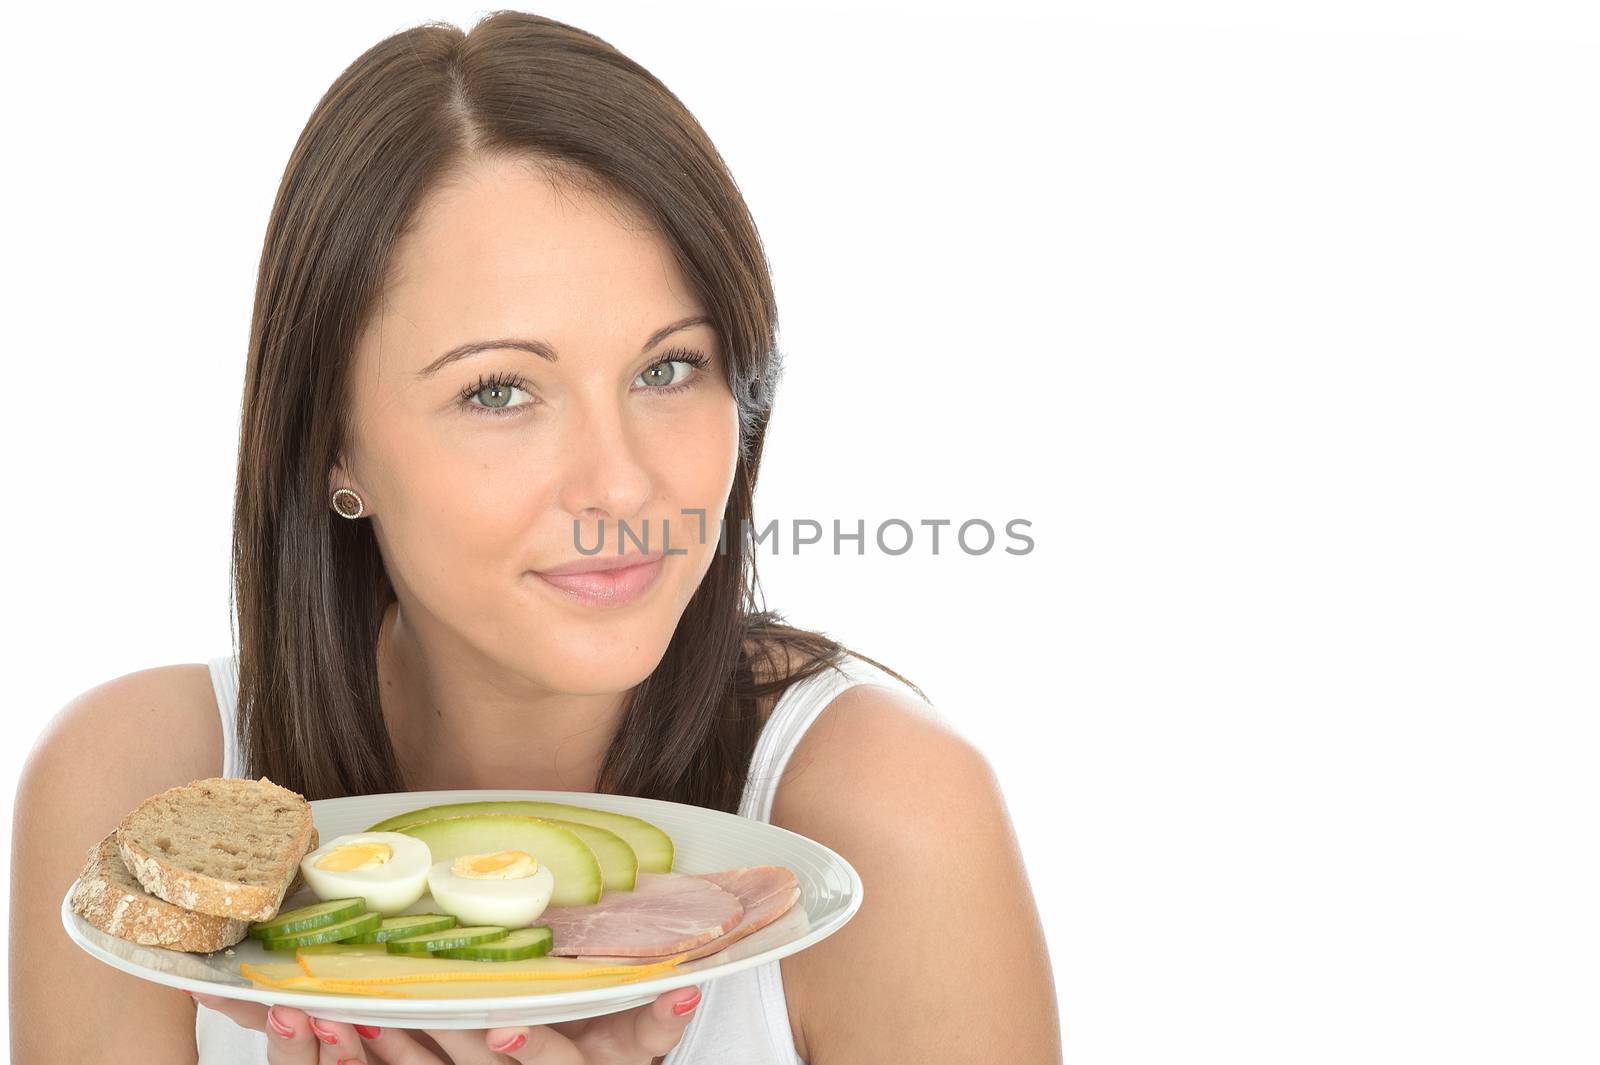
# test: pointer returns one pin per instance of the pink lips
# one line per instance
(605, 587)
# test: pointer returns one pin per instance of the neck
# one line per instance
(461, 721)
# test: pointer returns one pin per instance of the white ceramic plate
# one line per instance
(705, 841)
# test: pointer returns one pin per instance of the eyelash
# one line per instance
(515, 380)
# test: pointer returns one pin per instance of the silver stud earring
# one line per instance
(347, 503)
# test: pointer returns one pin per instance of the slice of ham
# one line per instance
(765, 891)
(664, 914)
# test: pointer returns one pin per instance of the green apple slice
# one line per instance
(651, 845)
(619, 866)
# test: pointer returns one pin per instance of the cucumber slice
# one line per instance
(518, 944)
(306, 918)
(450, 938)
(411, 924)
(328, 933)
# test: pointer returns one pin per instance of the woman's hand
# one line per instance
(631, 1037)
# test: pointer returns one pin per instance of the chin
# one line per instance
(597, 676)
(603, 661)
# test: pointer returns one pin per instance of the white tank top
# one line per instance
(743, 1019)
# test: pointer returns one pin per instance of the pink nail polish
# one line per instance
(322, 1033)
(680, 1008)
(515, 1044)
(278, 1024)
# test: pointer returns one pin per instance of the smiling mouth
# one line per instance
(601, 562)
(607, 587)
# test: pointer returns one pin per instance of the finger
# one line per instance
(538, 1045)
(658, 1026)
(244, 1014)
(289, 1039)
(339, 1042)
(640, 1033)
(397, 1046)
(294, 1038)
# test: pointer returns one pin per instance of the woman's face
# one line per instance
(475, 472)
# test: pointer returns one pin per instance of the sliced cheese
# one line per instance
(271, 970)
(275, 981)
(372, 963)
(457, 988)
(276, 976)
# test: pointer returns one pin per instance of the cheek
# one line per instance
(454, 524)
(702, 452)
(697, 472)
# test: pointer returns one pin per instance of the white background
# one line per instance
(1277, 321)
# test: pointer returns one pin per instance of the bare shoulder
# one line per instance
(106, 751)
(858, 728)
(169, 712)
(917, 810)
(877, 761)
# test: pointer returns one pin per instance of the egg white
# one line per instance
(388, 888)
(508, 903)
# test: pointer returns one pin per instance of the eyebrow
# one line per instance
(542, 349)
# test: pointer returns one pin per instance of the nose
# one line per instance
(606, 474)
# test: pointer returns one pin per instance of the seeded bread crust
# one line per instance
(219, 846)
(108, 897)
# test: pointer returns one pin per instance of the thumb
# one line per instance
(658, 1026)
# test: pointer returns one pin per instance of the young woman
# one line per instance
(510, 300)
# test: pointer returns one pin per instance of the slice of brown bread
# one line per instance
(299, 880)
(219, 846)
(108, 897)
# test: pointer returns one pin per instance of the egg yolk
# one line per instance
(349, 857)
(495, 865)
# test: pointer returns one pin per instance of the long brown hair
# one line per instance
(309, 585)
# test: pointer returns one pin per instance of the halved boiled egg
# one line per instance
(387, 869)
(508, 887)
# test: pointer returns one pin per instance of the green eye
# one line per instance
(495, 393)
(658, 378)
